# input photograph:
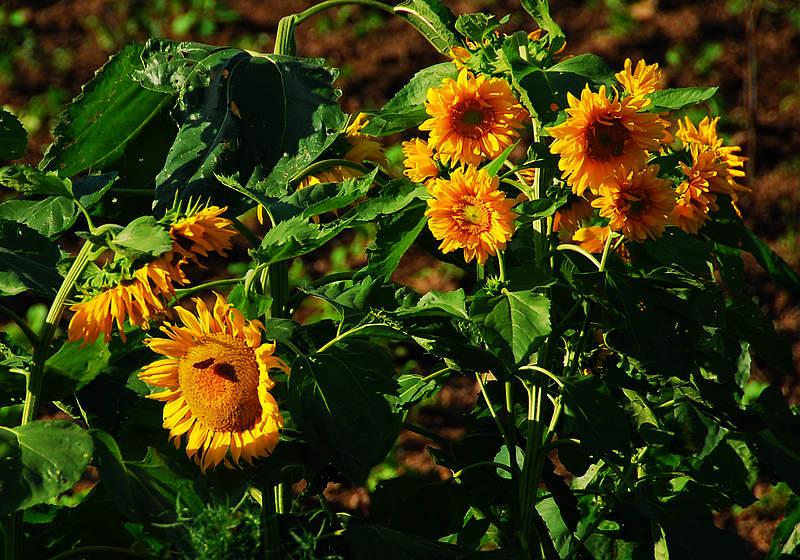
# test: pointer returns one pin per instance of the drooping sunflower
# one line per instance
(419, 163)
(695, 197)
(639, 81)
(217, 379)
(144, 295)
(472, 118)
(636, 203)
(138, 300)
(469, 212)
(602, 134)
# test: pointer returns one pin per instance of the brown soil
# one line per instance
(752, 56)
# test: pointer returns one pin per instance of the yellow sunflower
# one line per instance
(472, 118)
(144, 296)
(201, 232)
(636, 203)
(695, 198)
(138, 300)
(602, 134)
(575, 212)
(216, 376)
(469, 212)
(638, 82)
(703, 138)
(419, 163)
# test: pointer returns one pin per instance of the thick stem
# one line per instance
(313, 10)
(270, 533)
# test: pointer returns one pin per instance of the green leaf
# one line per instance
(677, 98)
(786, 540)
(40, 460)
(13, 138)
(169, 67)
(588, 65)
(346, 404)
(393, 197)
(433, 20)
(517, 322)
(540, 11)
(395, 235)
(326, 197)
(475, 26)
(598, 419)
(415, 388)
(27, 261)
(295, 237)
(143, 237)
(49, 216)
(112, 109)
(453, 303)
(531, 210)
(497, 163)
(312, 117)
(407, 108)
(89, 189)
(252, 305)
(79, 364)
(367, 542)
(29, 180)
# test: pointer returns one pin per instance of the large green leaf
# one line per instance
(30, 180)
(407, 108)
(79, 364)
(596, 416)
(143, 237)
(294, 237)
(392, 198)
(678, 98)
(312, 117)
(27, 261)
(395, 235)
(540, 11)
(111, 110)
(13, 138)
(40, 460)
(49, 216)
(433, 20)
(515, 321)
(346, 404)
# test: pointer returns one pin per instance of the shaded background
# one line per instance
(749, 48)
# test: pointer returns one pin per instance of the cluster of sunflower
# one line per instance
(605, 147)
(216, 372)
(472, 119)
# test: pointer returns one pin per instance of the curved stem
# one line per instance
(23, 326)
(457, 474)
(501, 265)
(443, 441)
(246, 232)
(345, 335)
(588, 255)
(182, 293)
(34, 385)
(325, 164)
(436, 374)
(605, 251)
(314, 10)
(493, 413)
(544, 371)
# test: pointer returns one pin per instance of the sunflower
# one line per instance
(201, 232)
(419, 163)
(695, 198)
(636, 203)
(638, 82)
(703, 138)
(144, 295)
(216, 376)
(602, 134)
(472, 118)
(469, 212)
(575, 212)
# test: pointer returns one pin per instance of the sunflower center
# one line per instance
(606, 140)
(219, 380)
(470, 118)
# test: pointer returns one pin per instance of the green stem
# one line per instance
(313, 10)
(22, 324)
(588, 255)
(270, 533)
(606, 248)
(246, 232)
(324, 165)
(182, 293)
(345, 335)
(436, 374)
(444, 442)
(457, 474)
(279, 288)
(34, 385)
(107, 552)
(490, 406)
(501, 265)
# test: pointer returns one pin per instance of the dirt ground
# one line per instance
(750, 49)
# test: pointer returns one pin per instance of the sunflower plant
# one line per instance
(602, 316)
